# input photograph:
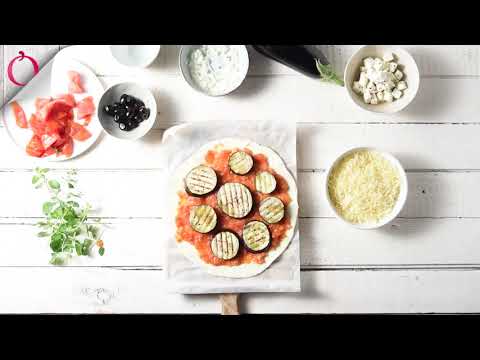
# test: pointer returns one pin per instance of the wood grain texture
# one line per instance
(118, 290)
(229, 304)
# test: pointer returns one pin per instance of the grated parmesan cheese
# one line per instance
(364, 187)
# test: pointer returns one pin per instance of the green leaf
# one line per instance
(56, 242)
(47, 207)
(78, 248)
(86, 246)
(70, 185)
(101, 251)
(43, 234)
(54, 184)
(73, 203)
(57, 213)
(58, 258)
(327, 73)
(35, 179)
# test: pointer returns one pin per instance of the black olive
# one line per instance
(138, 118)
(108, 109)
(121, 111)
(116, 118)
(125, 99)
(133, 123)
(122, 126)
(145, 112)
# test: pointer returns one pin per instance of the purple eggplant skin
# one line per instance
(298, 57)
(257, 251)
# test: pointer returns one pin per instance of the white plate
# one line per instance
(58, 85)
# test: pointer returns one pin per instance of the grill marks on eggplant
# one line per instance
(203, 218)
(256, 236)
(272, 210)
(201, 180)
(265, 182)
(240, 162)
(225, 245)
(235, 200)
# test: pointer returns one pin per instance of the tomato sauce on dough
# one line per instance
(218, 160)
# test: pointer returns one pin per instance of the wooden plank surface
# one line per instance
(106, 290)
(425, 261)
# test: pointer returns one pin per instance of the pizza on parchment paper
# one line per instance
(213, 208)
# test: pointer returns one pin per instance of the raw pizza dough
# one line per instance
(276, 163)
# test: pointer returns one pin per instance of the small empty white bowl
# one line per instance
(135, 55)
(402, 197)
(112, 95)
(406, 64)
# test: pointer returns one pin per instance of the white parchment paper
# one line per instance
(180, 142)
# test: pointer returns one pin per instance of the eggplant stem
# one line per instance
(327, 73)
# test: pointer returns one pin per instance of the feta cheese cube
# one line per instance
(389, 85)
(379, 95)
(368, 62)
(371, 87)
(392, 67)
(378, 64)
(357, 87)
(388, 56)
(374, 100)
(367, 97)
(387, 96)
(397, 94)
(398, 74)
(381, 86)
(363, 79)
(402, 85)
(363, 69)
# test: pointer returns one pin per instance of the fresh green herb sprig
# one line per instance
(66, 222)
(327, 73)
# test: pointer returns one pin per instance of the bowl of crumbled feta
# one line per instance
(366, 187)
(214, 70)
(382, 79)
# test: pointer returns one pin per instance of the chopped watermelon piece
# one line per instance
(37, 125)
(78, 132)
(86, 120)
(49, 151)
(68, 98)
(41, 102)
(35, 147)
(75, 82)
(67, 148)
(85, 107)
(19, 114)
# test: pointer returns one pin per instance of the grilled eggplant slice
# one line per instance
(272, 210)
(225, 245)
(265, 182)
(235, 200)
(240, 162)
(201, 180)
(203, 218)
(256, 236)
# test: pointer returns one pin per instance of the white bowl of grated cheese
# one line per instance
(366, 188)
(214, 70)
(382, 70)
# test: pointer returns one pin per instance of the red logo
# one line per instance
(20, 58)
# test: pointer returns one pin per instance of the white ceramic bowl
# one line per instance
(135, 55)
(111, 95)
(183, 59)
(406, 64)
(401, 198)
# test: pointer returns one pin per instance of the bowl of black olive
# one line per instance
(127, 111)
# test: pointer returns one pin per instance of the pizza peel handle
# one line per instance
(229, 304)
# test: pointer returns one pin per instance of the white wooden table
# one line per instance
(427, 261)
